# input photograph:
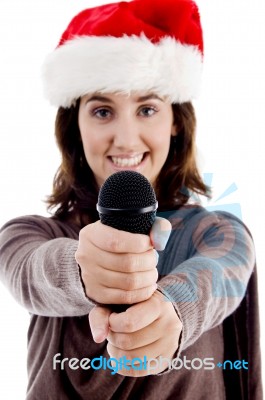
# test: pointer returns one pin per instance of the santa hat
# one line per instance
(142, 45)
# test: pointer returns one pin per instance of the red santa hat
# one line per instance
(142, 45)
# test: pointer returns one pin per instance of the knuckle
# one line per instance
(128, 323)
(124, 342)
(90, 293)
(131, 281)
(96, 296)
(79, 256)
(134, 296)
(114, 244)
(114, 351)
(83, 234)
(148, 292)
(131, 263)
(126, 297)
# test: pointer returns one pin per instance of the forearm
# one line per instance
(42, 273)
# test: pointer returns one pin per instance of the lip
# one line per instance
(138, 167)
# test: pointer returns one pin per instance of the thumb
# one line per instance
(99, 323)
(160, 233)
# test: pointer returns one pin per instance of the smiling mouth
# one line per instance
(127, 162)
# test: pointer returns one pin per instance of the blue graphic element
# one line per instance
(219, 365)
(208, 179)
(232, 188)
(233, 208)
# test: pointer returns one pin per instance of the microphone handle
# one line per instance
(119, 308)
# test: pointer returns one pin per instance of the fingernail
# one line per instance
(161, 238)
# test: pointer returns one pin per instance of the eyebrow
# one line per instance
(148, 97)
(139, 100)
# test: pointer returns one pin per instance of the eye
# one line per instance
(148, 111)
(102, 113)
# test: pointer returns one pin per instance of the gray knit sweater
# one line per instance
(204, 271)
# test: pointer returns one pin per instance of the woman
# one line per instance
(123, 77)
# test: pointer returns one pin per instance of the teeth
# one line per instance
(127, 162)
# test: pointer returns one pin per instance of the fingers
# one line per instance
(158, 335)
(136, 369)
(108, 286)
(127, 263)
(116, 241)
(126, 281)
(135, 340)
(119, 267)
(136, 317)
(141, 352)
(99, 323)
(160, 233)
(154, 343)
(118, 296)
(116, 278)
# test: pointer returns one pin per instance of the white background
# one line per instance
(230, 132)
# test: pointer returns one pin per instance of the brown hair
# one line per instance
(75, 190)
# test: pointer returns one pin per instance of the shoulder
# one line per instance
(188, 217)
(216, 235)
(194, 226)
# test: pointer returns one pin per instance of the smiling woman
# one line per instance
(93, 147)
(123, 78)
(125, 131)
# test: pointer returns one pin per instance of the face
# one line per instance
(122, 132)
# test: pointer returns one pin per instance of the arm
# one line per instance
(210, 284)
(37, 264)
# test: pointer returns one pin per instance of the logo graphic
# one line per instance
(215, 205)
(123, 363)
(228, 364)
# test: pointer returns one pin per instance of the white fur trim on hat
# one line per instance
(89, 64)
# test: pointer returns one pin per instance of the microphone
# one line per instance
(127, 202)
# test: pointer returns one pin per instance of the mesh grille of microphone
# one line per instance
(127, 189)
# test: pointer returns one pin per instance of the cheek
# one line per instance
(87, 137)
(91, 142)
(161, 141)
(93, 152)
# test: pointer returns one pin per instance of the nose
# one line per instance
(127, 133)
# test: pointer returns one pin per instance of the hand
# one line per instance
(151, 328)
(117, 267)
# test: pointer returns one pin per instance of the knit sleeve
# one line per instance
(210, 283)
(37, 264)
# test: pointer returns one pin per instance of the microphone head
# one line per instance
(127, 202)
